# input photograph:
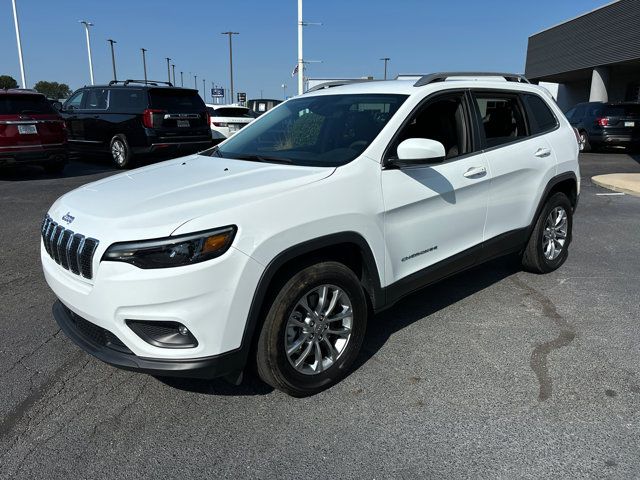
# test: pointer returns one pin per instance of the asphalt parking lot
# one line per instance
(495, 373)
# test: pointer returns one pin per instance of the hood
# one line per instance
(156, 200)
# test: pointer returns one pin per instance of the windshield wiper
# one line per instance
(261, 158)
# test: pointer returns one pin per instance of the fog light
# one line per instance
(163, 334)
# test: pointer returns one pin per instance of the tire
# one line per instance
(120, 151)
(302, 373)
(548, 247)
(54, 168)
(585, 145)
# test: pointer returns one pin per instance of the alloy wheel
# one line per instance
(318, 329)
(118, 152)
(554, 235)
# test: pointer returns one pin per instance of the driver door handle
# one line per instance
(474, 172)
(542, 152)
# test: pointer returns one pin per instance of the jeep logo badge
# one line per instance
(68, 218)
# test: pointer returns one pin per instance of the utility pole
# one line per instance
(168, 70)
(15, 21)
(113, 59)
(231, 34)
(173, 66)
(301, 61)
(144, 63)
(385, 59)
(181, 79)
(86, 29)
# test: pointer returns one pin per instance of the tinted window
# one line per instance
(443, 120)
(542, 118)
(232, 112)
(324, 130)
(126, 100)
(580, 110)
(622, 111)
(502, 119)
(176, 100)
(15, 104)
(97, 99)
(75, 101)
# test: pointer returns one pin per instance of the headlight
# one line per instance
(173, 251)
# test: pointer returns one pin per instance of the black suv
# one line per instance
(606, 124)
(135, 117)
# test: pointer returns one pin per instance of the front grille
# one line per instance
(72, 251)
(97, 334)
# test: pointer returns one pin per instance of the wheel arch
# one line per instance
(567, 183)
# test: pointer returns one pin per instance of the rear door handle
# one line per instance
(474, 172)
(542, 152)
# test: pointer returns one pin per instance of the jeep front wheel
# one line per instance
(313, 330)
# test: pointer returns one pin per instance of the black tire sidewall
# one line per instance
(127, 158)
(556, 200)
(273, 334)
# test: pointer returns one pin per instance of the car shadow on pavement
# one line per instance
(420, 305)
(75, 168)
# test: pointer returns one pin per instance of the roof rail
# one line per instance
(144, 82)
(337, 83)
(442, 76)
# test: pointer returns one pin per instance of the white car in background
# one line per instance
(228, 119)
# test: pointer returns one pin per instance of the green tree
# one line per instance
(7, 81)
(52, 89)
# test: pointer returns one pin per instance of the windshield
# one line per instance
(324, 130)
(12, 104)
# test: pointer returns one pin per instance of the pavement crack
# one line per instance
(540, 354)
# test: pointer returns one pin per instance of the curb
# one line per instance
(619, 182)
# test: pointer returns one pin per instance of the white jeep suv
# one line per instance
(275, 246)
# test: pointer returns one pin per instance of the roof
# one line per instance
(575, 18)
(19, 91)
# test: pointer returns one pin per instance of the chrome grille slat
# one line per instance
(72, 251)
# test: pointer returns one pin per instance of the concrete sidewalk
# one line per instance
(619, 182)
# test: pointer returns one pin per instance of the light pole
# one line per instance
(173, 66)
(181, 79)
(195, 81)
(301, 61)
(113, 59)
(204, 90)
(88, 24)
(385, 59)
(15, 21)
(284, 91)
(168, 70)
(144, 63)
(231, 34)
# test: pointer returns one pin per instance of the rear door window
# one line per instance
(541, 118)
(501, 118)
(24, 104)
(176, 100)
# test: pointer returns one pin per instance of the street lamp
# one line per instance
(168, 70)
(385, 59)
(15, 21)
(113, 59)
(88, 24)
(195, 80)
(144, 63)
(181, 79)
(173, 66)
(204, 89)
(231, 34)
(284, 91)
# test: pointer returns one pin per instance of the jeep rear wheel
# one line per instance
(313, 330)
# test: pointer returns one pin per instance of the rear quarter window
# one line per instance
(176, 100)
(127, 100)
(541, 118)
(24, 104)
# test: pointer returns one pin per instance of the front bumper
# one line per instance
(105, 346)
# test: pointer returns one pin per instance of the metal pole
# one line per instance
(300, 57)
(385, 59)
(113, 59)
(204, 90)
(181, 79)
(195, 81)
(284, 91)
(168, 69)
(173, 66)
(86, 28)
(15, 21)
(231, 60)
(144, 64)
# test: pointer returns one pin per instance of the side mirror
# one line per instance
(416, 151)
(68, 108)
(57, 106)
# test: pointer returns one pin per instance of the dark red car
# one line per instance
(31, 131)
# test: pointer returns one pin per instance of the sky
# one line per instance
(420, 36)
